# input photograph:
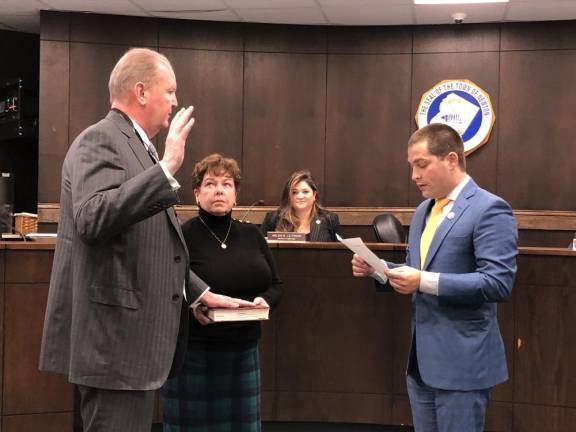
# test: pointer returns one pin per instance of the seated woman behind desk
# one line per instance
(300, 211)
(218, 388)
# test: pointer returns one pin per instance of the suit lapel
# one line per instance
(458, 209)
(417, 226)
(135, 143)
(315, 229)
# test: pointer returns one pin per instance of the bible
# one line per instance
(239, 314)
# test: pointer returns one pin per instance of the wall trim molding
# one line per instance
(547, 220)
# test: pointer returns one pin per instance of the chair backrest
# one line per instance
(388, 229)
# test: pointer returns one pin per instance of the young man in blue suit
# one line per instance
(461, 262)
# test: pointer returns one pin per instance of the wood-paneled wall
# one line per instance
(335, 350)
(339, 101)
(30, 400)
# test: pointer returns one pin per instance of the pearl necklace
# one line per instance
(222, 242)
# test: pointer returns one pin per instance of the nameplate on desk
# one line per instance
(286, 236)
(11, 237)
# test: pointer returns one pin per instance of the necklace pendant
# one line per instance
(223, 246)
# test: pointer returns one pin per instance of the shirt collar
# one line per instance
(453, 195)
(140, 132)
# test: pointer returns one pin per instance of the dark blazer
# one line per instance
(455, 334)
(120, 265)
(322, 229)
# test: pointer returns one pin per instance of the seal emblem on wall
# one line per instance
(462, 105)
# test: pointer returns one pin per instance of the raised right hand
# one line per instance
(180, 127)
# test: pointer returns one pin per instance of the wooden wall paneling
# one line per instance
(331, 335)
(53, 422)
(280, 38)
(26, 266)
(268, 405)
(401, 411)
(533, 418)
(545, 238)
(451, 38)
(114, 29)
(367, 130)
(27, 390)
(401, 319)
(334, 407)
(284, 121)
(336, 315)
(53, 139)
(538, 35)
(211, 81)
(186, 34)
(536, 156)
(90, 67)
(499, 416)
(543, 271)
(505, 392)
(482, 69)
(268, 349)
(545, 360)
(370, 40)
(54, 26)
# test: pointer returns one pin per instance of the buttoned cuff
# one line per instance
(429, 282)
(173, 182)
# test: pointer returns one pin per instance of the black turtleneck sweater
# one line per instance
(244, 269)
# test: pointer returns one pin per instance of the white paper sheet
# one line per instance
(357, 246)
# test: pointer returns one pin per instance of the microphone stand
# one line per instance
(254, 204)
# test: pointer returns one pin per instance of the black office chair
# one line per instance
(388, 229)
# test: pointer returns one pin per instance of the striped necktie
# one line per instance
(149, 148)
(152, 151)
(428, 234)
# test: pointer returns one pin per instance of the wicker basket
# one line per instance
(25, 223)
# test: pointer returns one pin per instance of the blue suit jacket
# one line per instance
(456, 334)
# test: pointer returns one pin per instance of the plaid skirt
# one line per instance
(218, 390)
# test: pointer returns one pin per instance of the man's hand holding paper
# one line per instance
(367, 263)
(404, 279)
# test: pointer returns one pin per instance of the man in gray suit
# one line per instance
(117, 313)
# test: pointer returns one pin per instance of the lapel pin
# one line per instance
(450, 215)
(317, 221)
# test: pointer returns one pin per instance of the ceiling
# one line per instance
(24, 15)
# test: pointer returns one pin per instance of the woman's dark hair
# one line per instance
(287, 220)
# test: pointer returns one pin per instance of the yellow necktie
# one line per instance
(428, 234)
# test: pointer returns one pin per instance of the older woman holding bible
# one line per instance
(300, 211)
(219, 387)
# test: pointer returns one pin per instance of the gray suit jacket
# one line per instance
(119, 268)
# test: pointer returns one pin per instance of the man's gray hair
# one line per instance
(136, 65)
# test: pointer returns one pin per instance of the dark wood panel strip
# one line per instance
(49, 244)
(552, 220)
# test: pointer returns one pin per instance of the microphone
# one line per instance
(254, 204)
